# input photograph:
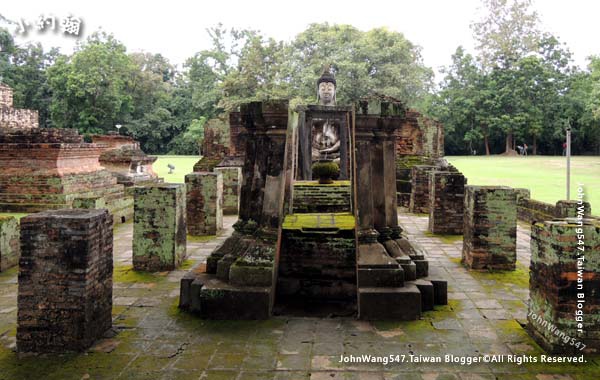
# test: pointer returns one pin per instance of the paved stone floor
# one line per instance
(152, 339)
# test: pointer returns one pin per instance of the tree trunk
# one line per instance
(534, 146)
(487, 145)
(509, 151)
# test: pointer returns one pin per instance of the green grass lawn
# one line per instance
(183, 165)
(545, 176)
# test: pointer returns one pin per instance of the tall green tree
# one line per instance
(90, 88)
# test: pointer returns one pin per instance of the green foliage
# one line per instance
(90, 87)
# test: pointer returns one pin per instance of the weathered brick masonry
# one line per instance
(13, 117)
(419, 191)
(9, 242)
(490, 228)
(204, 203)
(232, 182)
(310, 196)
(558, 280)
(65, 280)
(159, 227)
(48, 168)
(531, 211)
(447, 193)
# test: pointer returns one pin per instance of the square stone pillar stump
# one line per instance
(447, 196)
(9, 242)
(564, 283)
(490, 228)
(159, 227)
(419, 193)
(65, 280)
(204, 196)
(232, 182)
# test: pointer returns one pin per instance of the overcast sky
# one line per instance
(177, 29)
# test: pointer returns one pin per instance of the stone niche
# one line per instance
(447, 196)
(47, 168)
(124, 158)
(564, 282)
(9, 242)
(204, 203)
(159, 227)
(490, 228)
(65, 280)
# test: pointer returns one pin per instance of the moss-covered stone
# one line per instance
(159, 230)
(9, 242)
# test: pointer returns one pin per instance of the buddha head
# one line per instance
(326, 88)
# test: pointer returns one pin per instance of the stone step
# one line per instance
(212, 298)
(427, 293)
(311, 197)
(398, 303)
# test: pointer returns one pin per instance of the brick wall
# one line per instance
(204, 203)
(159, 227)
(555, 287)
(65, 280)
(446, 195)
(490, 228)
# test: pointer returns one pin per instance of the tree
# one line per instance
(378, 60)
(90, 87)
(507, 33)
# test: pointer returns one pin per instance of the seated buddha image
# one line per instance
(326, 135)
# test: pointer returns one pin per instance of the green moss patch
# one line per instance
(446, 239)
(340, 221)
(200, 239)
(128, 274)
(518, 277)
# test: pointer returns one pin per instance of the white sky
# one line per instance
(176, 28)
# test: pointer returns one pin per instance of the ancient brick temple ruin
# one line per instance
(490, 228)
(9, 242)
(49, 168)
(124, 158)
(564, 285)
(65, 280)
(298, 242)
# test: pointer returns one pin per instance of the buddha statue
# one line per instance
(325, 134)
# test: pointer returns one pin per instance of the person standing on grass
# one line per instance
(525, 149)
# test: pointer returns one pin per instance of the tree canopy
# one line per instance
(518, 87)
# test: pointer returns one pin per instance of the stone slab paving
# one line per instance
(152, 339)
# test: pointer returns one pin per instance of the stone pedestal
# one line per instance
(419, 194)
(204, 197)
(232, 182)
(490, 228)
(447, 193)
(159, 227)
(65, 280)
(9, 242)
(563, 285)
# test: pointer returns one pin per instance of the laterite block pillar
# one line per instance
(564, 285)
(159, 227)
(204, 196)
(65, 280)
(490, 228)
